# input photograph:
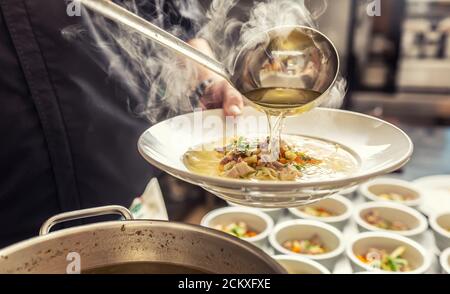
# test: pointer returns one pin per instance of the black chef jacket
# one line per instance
(67, 138)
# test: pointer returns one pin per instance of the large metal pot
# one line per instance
(132, 242)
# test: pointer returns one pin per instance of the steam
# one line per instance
(157, 82)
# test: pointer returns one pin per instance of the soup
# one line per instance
(397, 197)
(144, 268)
(282, 100)
(313, 246)
(298, 159)
(238, 229)
(386, 261)
(374, 218)
(317, 211)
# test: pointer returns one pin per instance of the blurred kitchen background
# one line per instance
(398, 68)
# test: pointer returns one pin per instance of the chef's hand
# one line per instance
(220, 93)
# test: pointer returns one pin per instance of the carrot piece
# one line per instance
(251, 234)
(362, 258)
(299, 160)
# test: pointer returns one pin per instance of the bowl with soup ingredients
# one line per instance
(308, 238)
(440, 223)
(444, 260)
(390, 217)
(246, 223)
(299, 265)
(388, 253)
(394, 190)
(320, 153)
(335, 210)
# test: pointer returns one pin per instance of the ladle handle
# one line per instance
(120, 15)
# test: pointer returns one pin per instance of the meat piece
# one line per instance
(240, 169)
(277, 165)
(226, 160)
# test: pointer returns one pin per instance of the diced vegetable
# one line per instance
(374, 218)
(396, 197)
(290, 155)
(239, 229)
(317, 211)
(380, 259)
(312, 246)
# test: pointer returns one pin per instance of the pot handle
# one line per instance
(84, 213)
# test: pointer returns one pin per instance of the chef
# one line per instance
(68, 140)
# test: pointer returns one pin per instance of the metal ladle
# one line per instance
(286, 57)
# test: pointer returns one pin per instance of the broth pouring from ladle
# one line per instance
(283, 71)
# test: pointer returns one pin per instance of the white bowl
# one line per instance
(350, 192)
(378, 147)
(274, 213)
(444, 260)
(440, 223)
(392, 211)
(373, 188)
(306, 229)
(436, 193)
(300, 265)
(339, 205)
(255, 219)
(416, 255)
